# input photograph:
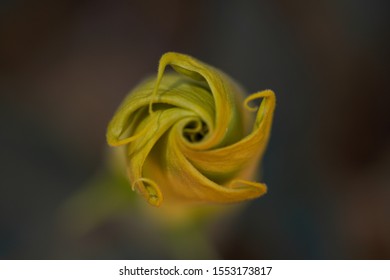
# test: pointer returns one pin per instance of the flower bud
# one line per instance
(191, 135)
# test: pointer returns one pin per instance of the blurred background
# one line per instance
(65, 66)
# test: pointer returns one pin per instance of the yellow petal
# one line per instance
(191, 136)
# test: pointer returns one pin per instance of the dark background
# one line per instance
(65, 66)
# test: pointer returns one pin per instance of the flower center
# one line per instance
(195, 131)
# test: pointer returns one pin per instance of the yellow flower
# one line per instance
(191, 135)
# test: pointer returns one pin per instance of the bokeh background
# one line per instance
(66, 65)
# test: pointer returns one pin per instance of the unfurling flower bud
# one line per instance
(191, 135)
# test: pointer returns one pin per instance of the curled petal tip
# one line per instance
(150, 190)
(258, 189)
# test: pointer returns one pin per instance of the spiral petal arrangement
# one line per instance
(191, 135)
